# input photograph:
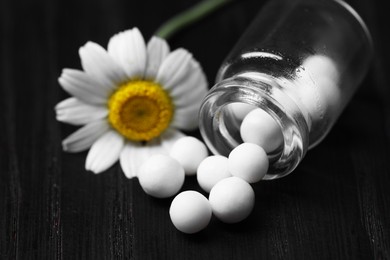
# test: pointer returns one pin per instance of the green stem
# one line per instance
(188, 17)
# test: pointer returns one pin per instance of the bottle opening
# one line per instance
(245, 110)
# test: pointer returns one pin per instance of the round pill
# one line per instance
(190, 212)
(189, 152)
(161, 176)
(211, 170)
(232, 199)
(260, 128)
(240, 110)
(319, 66)
(323, 72)
(249, 162)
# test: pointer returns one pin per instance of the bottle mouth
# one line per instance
(220, 128)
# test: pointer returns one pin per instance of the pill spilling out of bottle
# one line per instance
(227, 180)
(277, 94)
(287, 80)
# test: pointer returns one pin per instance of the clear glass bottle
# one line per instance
(300, 61)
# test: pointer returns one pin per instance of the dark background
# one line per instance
(336, 205)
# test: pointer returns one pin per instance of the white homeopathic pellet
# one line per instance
(189, 152)
(161, 176)
(232, 199)
(323, 72)
(249, 162)
(260, 128)
(211, 170)
(190, 212)
(240, 110)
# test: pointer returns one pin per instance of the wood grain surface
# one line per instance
(336, 205)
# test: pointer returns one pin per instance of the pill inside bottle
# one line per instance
(250, 124)
(299, 62)
(314, 89)
(313, 92)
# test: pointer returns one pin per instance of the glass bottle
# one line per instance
(300, 62)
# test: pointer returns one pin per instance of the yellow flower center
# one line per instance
(140, 110)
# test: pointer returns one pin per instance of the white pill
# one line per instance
(161, 176)
(189, 152)
(240, 110)
(324, 73)
(319, 86)
(249, 162)
(211, 170)
(232, 199)
(319, 66)
(190, 212)
(260, 128)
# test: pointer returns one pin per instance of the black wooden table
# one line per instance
(336, 205)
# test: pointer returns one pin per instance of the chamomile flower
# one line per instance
(131, 100)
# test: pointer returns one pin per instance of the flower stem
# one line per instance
(188, 17)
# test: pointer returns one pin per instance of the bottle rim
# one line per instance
(265, 93)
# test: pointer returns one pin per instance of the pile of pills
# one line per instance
(227, 180)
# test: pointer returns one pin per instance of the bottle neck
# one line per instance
(221, 130)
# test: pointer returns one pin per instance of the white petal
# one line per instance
(99, 65)
(126, 161)
(76, 112)
(174, 68)
(84, 137)
(187, 96)
(192, 89)
(169, 137)
(195, 96)
(81, 85)
(131, 158)
(157, 51)
(134, 154)
(186, 118)
(104, 152)
(128, 49)
(155, 147)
